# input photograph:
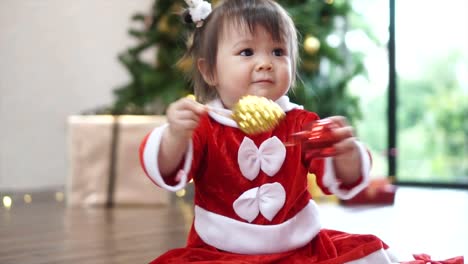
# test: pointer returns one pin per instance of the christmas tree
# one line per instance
(326, 68)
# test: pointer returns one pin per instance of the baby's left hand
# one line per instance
(347, 155)
(346, 146)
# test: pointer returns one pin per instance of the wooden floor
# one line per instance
(48, 232)
(422, 220)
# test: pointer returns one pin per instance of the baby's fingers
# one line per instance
(182, 124)
(186, 124)
(342, 133)
(345, 146)
(194, 106)
(176, 109)
(183, 118)
(340, 121)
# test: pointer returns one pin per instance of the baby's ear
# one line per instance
(207, 76)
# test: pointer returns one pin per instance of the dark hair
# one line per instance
(248, 13)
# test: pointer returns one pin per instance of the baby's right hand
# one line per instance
(183, 117)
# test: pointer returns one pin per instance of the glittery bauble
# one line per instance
(255, 114)
(311, 45)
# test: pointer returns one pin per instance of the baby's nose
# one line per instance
(264, 66)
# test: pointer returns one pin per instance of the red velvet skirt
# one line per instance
(328, 247)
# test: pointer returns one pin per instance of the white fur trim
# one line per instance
(150, 160)
(331, 182)
(223, 115)
(245, 238)
(381, 256)
(286, 105)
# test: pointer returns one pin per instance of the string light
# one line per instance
(311, 45)
(7, 202)
(27, 198)
(180, 193)
(59, 196)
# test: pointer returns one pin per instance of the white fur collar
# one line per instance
(223, 115)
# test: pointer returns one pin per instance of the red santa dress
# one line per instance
(251, 199)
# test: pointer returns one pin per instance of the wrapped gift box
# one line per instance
(379, 192)
(317, 193)
(426, 259)
(104, 163)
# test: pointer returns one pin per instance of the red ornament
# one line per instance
(317, 139)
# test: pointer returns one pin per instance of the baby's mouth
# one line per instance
(264, 81)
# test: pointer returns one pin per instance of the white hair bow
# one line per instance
(199, 10)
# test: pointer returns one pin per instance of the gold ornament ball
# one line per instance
(310, 65)
(163, 25)
(311, 45)
(185, 65)
(254, 114)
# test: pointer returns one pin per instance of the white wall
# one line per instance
(57, 58)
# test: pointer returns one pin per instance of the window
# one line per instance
(431, 44)
(432, 66)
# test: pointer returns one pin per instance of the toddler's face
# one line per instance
(251, 64)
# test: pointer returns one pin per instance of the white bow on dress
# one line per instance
(267, 199)
(269, 157)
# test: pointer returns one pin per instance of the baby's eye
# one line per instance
(278, 52)
(246, 52)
